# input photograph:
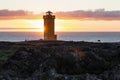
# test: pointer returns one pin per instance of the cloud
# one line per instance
(6, 12)
(99, 14)
(17, 14)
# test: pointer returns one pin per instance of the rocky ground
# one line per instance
(59, 60)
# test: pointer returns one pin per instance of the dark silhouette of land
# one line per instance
(59, 60)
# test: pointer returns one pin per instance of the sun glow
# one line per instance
(37, 25)
(21, 26)
(60, 26)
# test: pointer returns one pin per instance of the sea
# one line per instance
(66, 36)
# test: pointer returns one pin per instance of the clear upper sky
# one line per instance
(59, 5)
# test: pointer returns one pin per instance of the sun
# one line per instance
(36, 25)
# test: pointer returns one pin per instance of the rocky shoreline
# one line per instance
(59, 60)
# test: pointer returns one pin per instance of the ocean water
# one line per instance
(67, 36)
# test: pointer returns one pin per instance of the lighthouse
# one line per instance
(49, 26)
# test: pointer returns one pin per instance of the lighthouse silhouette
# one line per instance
(49, 26)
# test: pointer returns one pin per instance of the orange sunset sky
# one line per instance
(71, 15)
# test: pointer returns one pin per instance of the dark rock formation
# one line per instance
(59, 61)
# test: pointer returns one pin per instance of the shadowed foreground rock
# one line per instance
(61, 62)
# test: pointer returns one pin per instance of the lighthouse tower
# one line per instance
(49, 30)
